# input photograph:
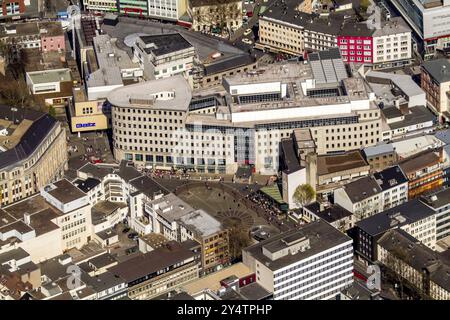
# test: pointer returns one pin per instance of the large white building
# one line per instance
(314, 262)
(164, 124)
(429, 20)
(373, 194)
(392, 44)
(166, 55)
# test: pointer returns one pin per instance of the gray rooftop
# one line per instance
(438, 69)
(201, 223)
(404, 214)
(321, 235)
(148, 94)
(378, 150)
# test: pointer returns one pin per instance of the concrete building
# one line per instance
(244, 122)
(288, 28)
(314, 262)
(439, 202)
(392, 44)
(209, 14)
(33, 153)
(333, 214)
(428, 20)
(335, 170)
(424, 270)
(107, 67)
(435, 81)
(101, 5)
(380, 156)
(166, 55)
(424, 172)
(47, 36)
(171, 10)
(373, 194)
(413, 217)
(163, 269)
(213, 237)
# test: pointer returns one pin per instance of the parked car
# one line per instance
(247, 32)
(247, 41)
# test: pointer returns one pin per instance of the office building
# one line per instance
(163, 269)
(414, 217)
(244, 122)
(165, 55)
(435, 81)
(428, 20)
(314, 262)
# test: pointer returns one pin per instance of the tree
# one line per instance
(15, 93)
(238, 239)
(52, 111)
(304, 194)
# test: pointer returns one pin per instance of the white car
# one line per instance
(247, 41)
(247, 32)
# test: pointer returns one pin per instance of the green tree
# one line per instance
(52, 111)
(304, 194)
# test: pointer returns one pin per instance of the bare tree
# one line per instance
(238, 238)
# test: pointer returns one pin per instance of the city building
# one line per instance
(375, 193)
(423, 270)
(392, 44)
(243, 123)
(33, 153)
(380, 156)
(209, 14)
(163, 269)
(335, 170)
(414, 217)
(424, 172)
(435, 81)
(165, 55)
(19, 9)
(334, 214)
(101, 5)
(428, 20)
(47, 36)
(439, 201)
(288, 28)
(46, 225)
(314, 262)
(213, 237)
(172, 10)
(107, 67)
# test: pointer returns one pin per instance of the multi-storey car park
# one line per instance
(164, 124)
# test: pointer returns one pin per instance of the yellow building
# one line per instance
(87, 115)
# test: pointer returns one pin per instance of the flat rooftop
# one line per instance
(201, 223)
(166, 43)
(148, 94)
(171, 207)
(46, 76)
(64, 191)
(212, 281)
(322, 236)
(351, 160)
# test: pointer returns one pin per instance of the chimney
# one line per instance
(26, 218)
